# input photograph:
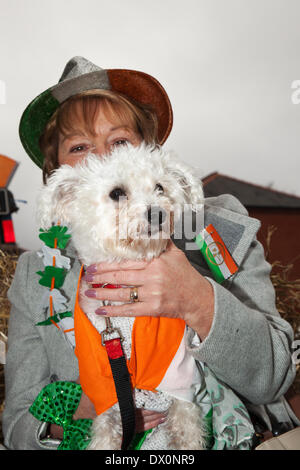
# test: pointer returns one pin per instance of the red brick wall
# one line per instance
(285, 242)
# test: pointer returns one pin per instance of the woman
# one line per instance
(234, 328)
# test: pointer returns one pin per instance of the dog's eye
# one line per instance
(159, 188)
(116, 193)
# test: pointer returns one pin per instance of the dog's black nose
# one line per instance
(155, 215)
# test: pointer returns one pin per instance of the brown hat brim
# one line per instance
(130, 83)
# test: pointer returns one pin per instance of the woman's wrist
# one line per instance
(200, 319)
(55, 432)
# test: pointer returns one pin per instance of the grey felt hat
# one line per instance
(80, 75)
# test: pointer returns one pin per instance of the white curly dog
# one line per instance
(128, 203)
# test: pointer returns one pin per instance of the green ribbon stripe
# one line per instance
(203, 247)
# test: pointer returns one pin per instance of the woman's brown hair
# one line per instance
(82, 108)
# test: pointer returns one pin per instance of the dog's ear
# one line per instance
(188, 180)
(56, 197)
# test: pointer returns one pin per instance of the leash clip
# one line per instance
(110, 332)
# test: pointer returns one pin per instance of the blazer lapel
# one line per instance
(237, 230)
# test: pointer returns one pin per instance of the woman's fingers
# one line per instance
(116, 266)
(118, 294)
(133, 277)
(147, 419)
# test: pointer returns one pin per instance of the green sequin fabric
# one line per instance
(57, 403)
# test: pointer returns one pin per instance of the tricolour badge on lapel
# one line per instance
(214, 250)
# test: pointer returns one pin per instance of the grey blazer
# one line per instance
(248, 346)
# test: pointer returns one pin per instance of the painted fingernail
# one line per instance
(91, 269)
(162, 420)
(90, 293)
(88, 277)
(101, 311)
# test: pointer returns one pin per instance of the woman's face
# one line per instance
(108, 134)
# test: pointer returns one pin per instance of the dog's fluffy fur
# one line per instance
(103, 228)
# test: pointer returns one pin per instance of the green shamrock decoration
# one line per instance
(50, 272)
(56, 318)
(56, 232)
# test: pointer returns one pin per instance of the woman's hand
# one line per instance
(144, 419)
(168, 286)
(85, 410)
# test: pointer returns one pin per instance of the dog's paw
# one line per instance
(186, 427)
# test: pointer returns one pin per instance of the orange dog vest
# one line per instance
(155, 341)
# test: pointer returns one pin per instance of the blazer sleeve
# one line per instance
(26, 370)
(249, 345)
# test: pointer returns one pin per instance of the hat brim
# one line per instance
(139, 86)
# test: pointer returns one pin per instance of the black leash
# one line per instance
(111, 339)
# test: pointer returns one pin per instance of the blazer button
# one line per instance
(53, 378)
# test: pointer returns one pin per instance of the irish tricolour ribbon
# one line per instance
(216, 254)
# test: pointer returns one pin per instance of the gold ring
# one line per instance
(134, 296)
